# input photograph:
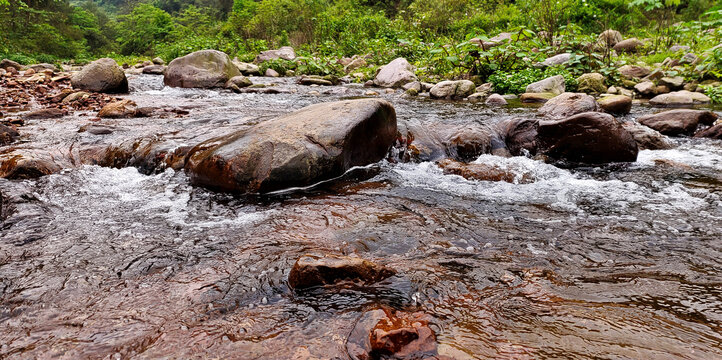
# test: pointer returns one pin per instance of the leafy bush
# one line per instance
(515, 82)
(714, 93)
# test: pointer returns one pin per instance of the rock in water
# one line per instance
(679, 121)
(568, 104)
(712, 132)
(310, 271)
(452, 89)
(395, 74)
(102, 75)
(200, 69)
(678, 98)
(554, 85)
(7, 135)
(591, 138)
(316, 143)
(616, 104)
(647, 138)
(520, 135)
(119, 109)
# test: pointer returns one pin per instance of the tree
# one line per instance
(142, 28)
(662, 12)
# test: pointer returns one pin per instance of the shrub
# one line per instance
(515, 82)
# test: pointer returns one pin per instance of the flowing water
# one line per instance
(612, 262)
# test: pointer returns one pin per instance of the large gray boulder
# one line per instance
(554, 85)
(200, 69)
(395, 74)
(313, 144)
(568, 104)
(102, 75)
(591, 138)
(452, 89)
(285, 53)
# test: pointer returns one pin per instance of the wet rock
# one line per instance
(556, 60)
(246, 68)
(46, 113)
(609, 38)
(682, 97)
(712, 132)
(388, 334)
(554, 85)
(647, 138)
(452, 89)
(633, 71)
(395, 74)
(591, 138)
(239, 82)
(519, 135)
(8, 135)
(679, 121)
(616, 104)
(591, 83)
(28, 165)
(315, 80)
(102, 75)
(316, 143)
(568, 104)
(154, 69)
(200, 69)
(629, 45)
(482, 172)
(495, 100)
(310, 271)
(438, 141)
(536, 97)
(7, 64)
(119, 109)
(96, 129)
(285, 53)
(646, 88)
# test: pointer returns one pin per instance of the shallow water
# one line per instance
(613, 262)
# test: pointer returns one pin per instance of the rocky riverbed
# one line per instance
(109, 251)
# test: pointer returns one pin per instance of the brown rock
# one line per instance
(536, 97)
(679, 121)
(483, 172)
(616, 104)
(712, 132)
(7, 134)
(629, 45)
(633, 71)
(316, 143)
(519, 136)
(119, 109)
(47, 113)
(647, 138)
(568, 104)
(310, 271)
(590, 137)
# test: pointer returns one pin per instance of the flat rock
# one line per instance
(616, 104)
(679, 121)
(46, 113)
(483, 172)
(310, 271)
(316, 143)
(682, 97)
(285, 53)
(536, 97)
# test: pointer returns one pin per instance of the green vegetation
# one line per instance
(435, 35)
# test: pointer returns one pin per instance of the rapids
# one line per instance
(611, 262)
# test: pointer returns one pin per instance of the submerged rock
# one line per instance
(438, 141)
(46, 113)
(483, 172)
(554, 85)
(591, 138)
(316, 143)
(712, 132)
(102, 75)
(568, 104)
(310, 271)
(679, 121)
(200, 69)
(395, 74)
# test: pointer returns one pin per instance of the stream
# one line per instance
(620, 261)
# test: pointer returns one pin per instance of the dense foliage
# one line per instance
(433, 34)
